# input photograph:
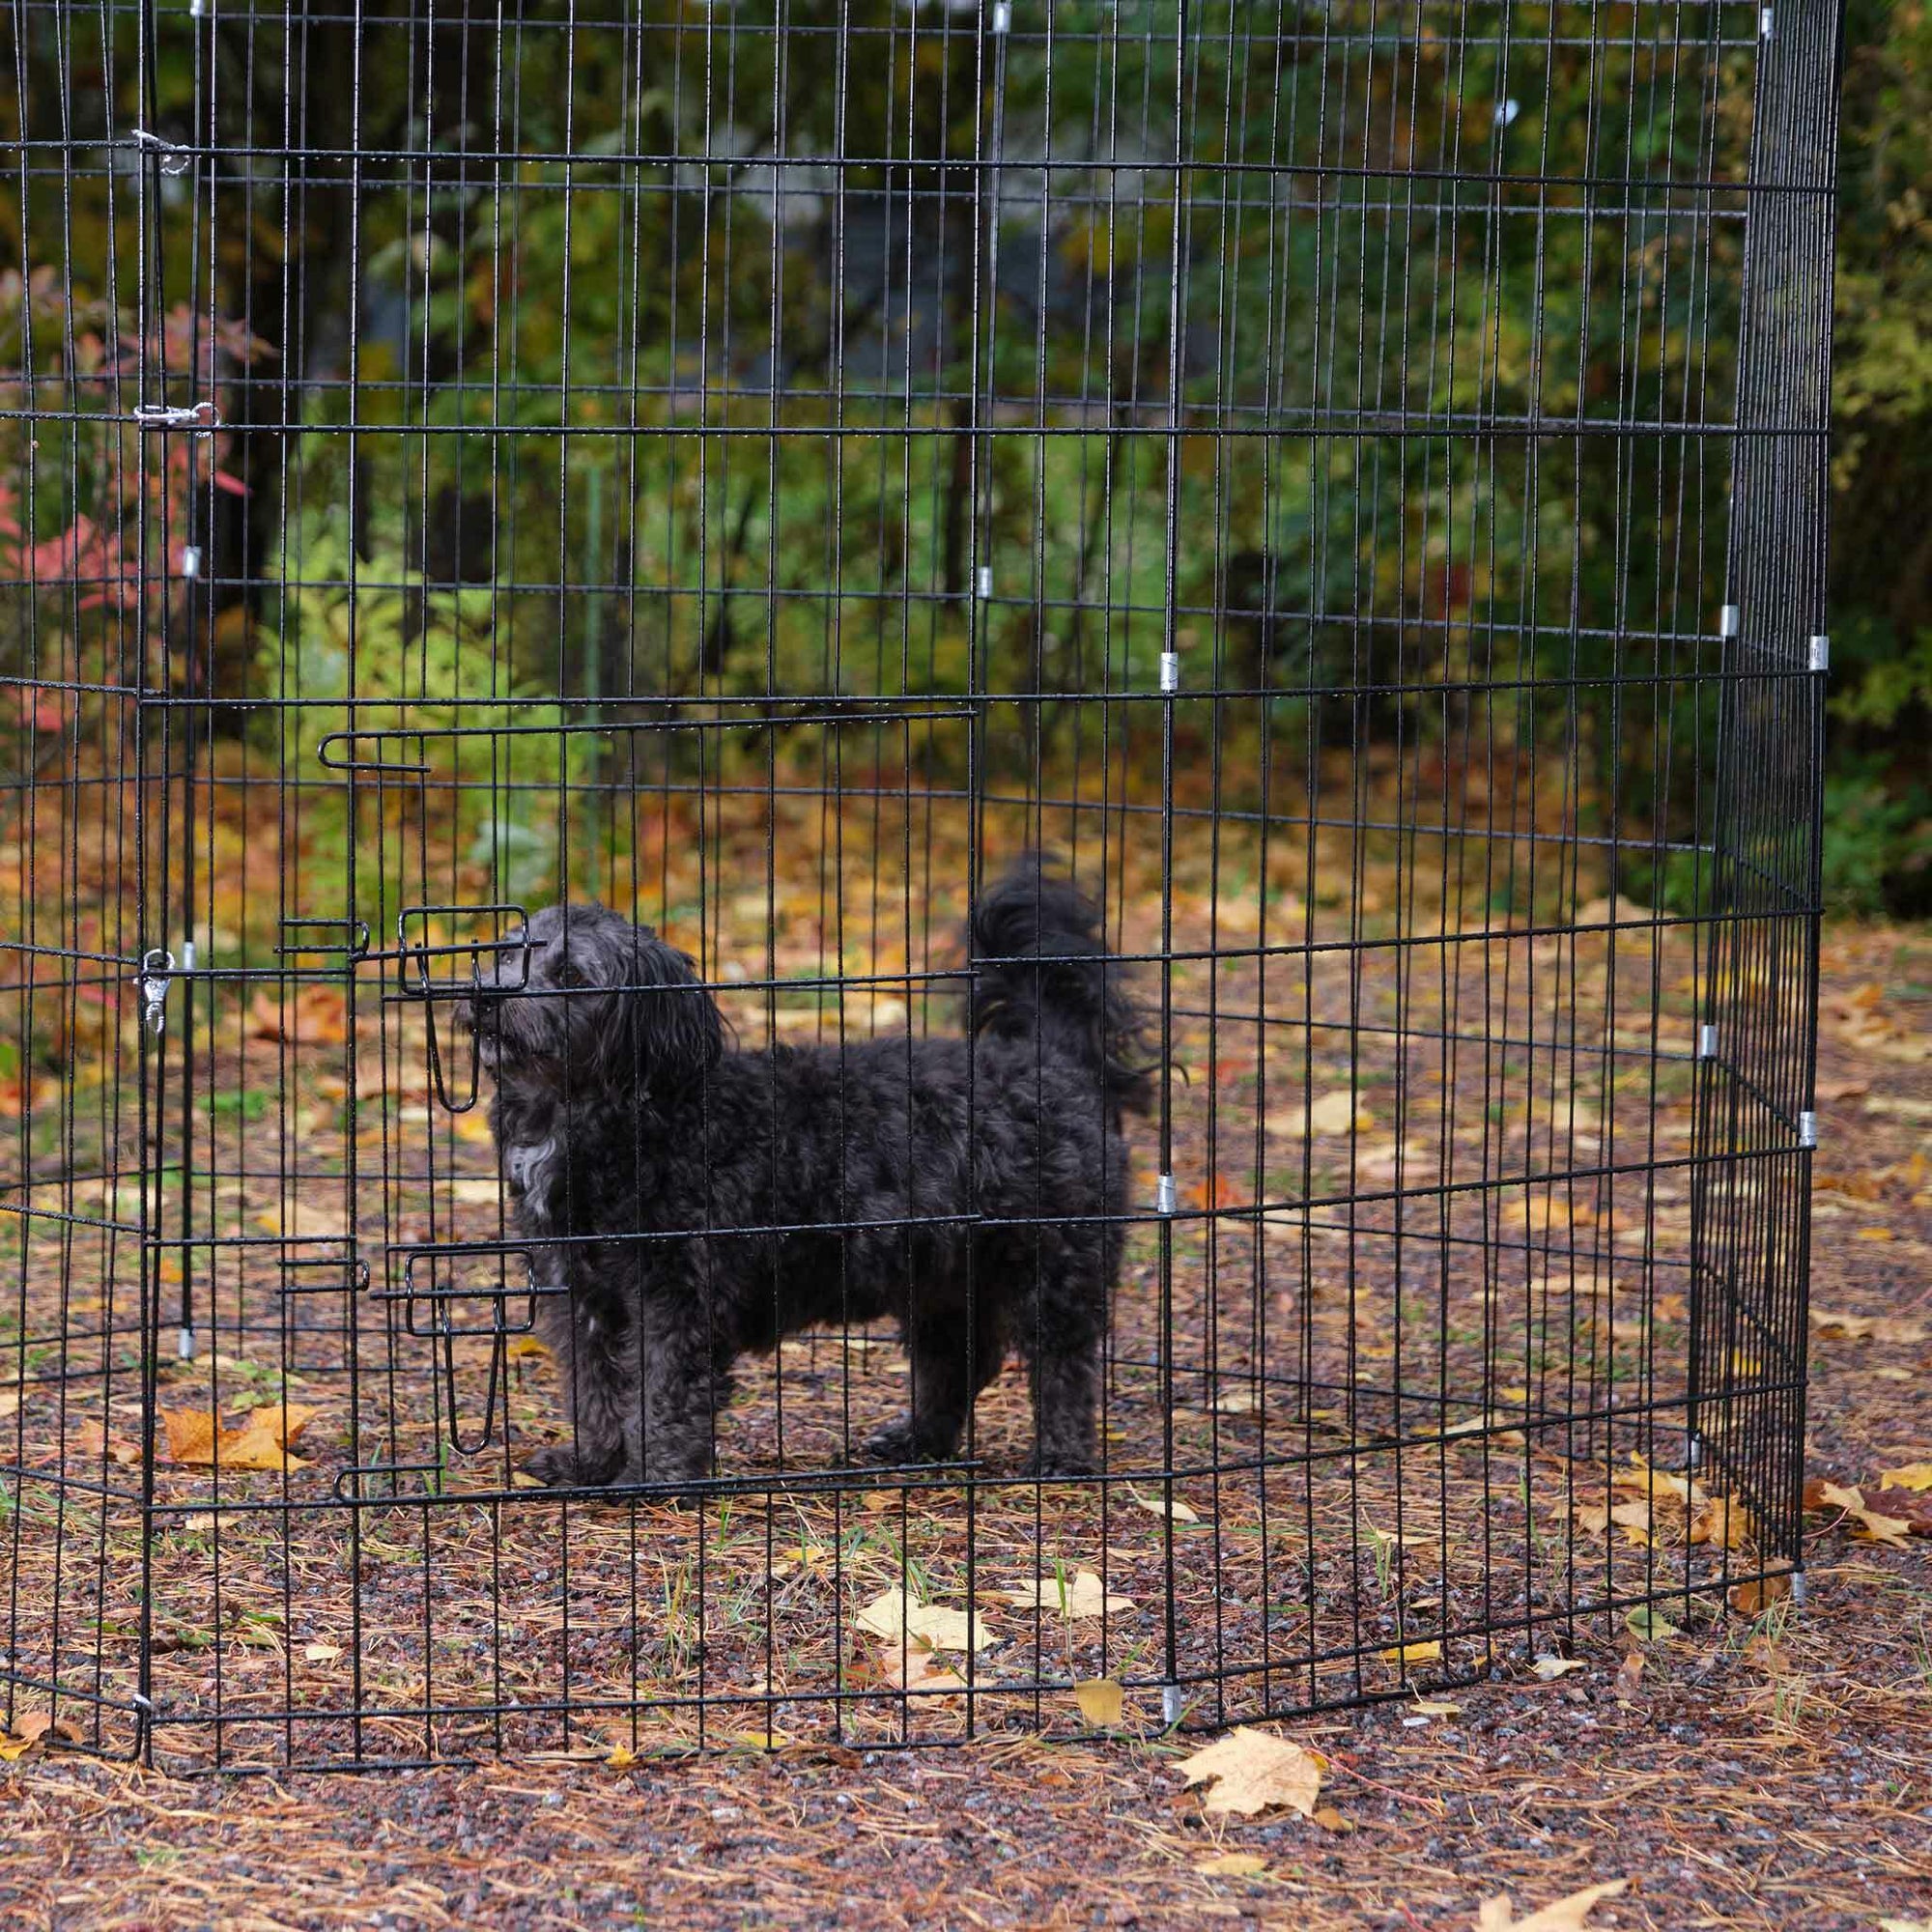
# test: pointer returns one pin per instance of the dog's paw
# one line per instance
(1045, 1463)
(554, 1468)
(900, 1442)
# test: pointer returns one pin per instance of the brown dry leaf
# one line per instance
(1868, 1327)
(1233, 1864)
(915, 1670)
(1082, 1595)
(1723, 1521)
(1619, 910)
(893, 1615)
(1630, 1675)
(1255, 1772)
(1332, 1112)
(296, 1220)
(197, 1439)
(1914, 1476)
(1180, 1511)
(323, 1653)
(1567, 1915)
(1753, 1599)
(316, 1015)
(1101, 1701)
(1894, 1530)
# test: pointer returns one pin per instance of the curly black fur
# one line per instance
(634, 1142)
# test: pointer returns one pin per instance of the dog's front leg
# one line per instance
(685, 1355)
(590, 1342)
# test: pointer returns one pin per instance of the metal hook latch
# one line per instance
(158, 966)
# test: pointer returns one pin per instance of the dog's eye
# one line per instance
(568, 975)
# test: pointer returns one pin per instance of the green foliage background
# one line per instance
(743, 555)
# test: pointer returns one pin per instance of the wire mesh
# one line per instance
(1348, 481)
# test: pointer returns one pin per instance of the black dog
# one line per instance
(699, 1203)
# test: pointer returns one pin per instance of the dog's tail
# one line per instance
(1042, 971)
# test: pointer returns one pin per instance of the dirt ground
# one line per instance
(1773, 1773)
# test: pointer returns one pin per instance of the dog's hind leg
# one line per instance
(946, 1377)
(1062, 1343)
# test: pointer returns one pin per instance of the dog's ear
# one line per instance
(668, 1033)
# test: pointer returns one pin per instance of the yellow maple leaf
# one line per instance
(1249, 1772)
(197, 1438)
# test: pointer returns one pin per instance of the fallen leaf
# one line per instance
(302, 1220)
(1434, 1707)
(896, 1616)
(1629, 1674)
(1893, 1530)
(316, 1015)
(1649, 1625)
(912, 1667)
(1618, 911)
(1753, 1599)
(1082, 1595)
(1241, 1400)
(1914, 1476)
(323, 1653)
(1567, 1915)
(1254, 1771)
(1180, 1511)
(1101, 1701)
(1233, 1864)
(197, 1439)
(1334, 1113)
(1413, 1653)
(622, 1758)
(1550, 1668)
(1868, 1327)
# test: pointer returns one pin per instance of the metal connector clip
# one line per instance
(156, 975)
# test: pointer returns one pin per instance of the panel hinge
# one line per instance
(1170, 671)
(1729, 620)
(1818, 654)
(1165, 1199)
(1807, 1130)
